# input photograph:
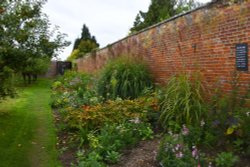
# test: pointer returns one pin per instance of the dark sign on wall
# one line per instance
(242, 57)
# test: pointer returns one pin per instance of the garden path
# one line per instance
(27, 133)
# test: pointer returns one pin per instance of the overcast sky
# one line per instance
(108, 20)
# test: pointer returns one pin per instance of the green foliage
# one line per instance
(6, 83)
(27, 41)
(112, 157)
(85, 44)
(182, 101)
(91, 160)
(236, 130)
(229, 121)
(115, 137)
(105, 128)
(125, 78)
(26, 35)
(37, 65)
(73, 89)
(160, 10)
(112, 138)
(226, 159)
(74, 55)
(118, 111)
(175, 152)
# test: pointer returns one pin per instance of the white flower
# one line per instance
(136, 120)
(248, 113)
(170, 133)
(202, 123)
(177, 147)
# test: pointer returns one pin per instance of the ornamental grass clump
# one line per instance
(182, 101)
(124, 77)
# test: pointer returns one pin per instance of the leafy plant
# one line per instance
(182, 101)
(107, 143)
(175, 152)
(118, 111)
(226, 159)
(231, 122)
(74, 89)
(112, 156)
(6, 83)
(125, 78)
(127, 133)
(91, 160)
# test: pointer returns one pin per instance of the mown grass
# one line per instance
(27, 133)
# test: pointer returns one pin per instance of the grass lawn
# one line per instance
(27, 133)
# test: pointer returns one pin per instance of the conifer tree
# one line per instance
(85, 44)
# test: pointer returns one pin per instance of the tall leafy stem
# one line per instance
(182, 101)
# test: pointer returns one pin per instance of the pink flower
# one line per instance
(185, 130)
(177, 147)
(179, 155)
(195, 152)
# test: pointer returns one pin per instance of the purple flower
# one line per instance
(177, 147)
(215, 123)
(195, 152)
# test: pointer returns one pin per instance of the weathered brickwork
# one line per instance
(202, 40)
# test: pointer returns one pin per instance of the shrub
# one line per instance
(118, 111)
(74, 89)
(229, 121)
(125, 78)
(6, 83)
(182, 101)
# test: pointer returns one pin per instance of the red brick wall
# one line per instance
(202, 40)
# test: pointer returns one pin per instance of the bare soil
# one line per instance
(143, 155)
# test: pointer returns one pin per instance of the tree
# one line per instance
(76, 43)
(85, 33)
(25, 37)
(160, 10)
(85, 44)
(74, 55)
(6, 83)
